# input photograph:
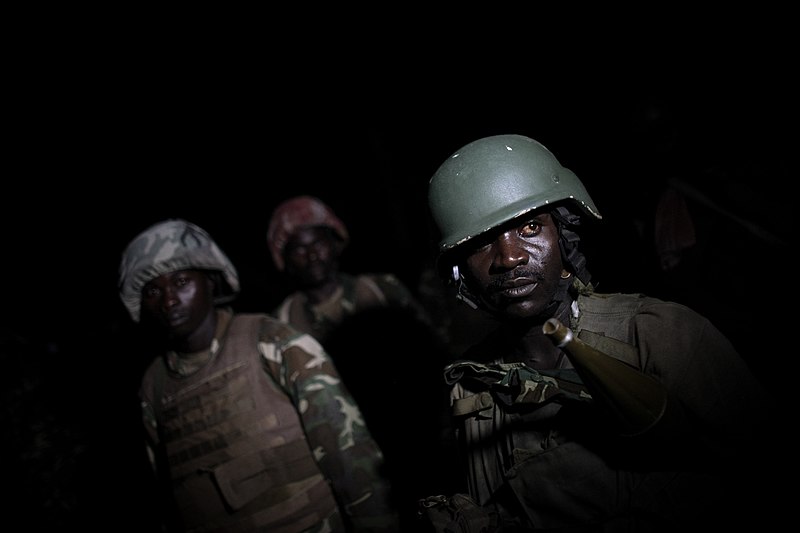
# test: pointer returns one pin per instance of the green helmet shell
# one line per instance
(495, 179)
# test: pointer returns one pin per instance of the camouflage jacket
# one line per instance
(354, 295)
(262, 434)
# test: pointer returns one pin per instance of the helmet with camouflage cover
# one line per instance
(168, 246)
(300, 212)
(495, 179)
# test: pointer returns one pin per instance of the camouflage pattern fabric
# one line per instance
(511, 384)
(297, 412)
(359, 293)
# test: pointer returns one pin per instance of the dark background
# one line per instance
(101, 143)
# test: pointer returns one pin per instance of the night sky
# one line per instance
(95, 169)
(100, 150)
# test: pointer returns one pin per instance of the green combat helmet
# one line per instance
(495, 179)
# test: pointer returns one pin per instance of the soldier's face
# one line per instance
(516, 268)
(312, 255)
(179, 302)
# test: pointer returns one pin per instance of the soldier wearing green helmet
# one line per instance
(634, 417)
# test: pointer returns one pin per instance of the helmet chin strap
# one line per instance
(568, 240)
(462, 292)
(561, 299)
(573, 260)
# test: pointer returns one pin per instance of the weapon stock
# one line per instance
(638, 401)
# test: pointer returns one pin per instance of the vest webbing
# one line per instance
(235, 443)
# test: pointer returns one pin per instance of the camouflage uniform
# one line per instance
(257, 432)
(354, 295)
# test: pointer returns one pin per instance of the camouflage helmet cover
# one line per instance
(168, 246)
(295, 213)
(496, 179)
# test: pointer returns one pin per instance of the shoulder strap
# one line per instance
(623, 351)
(249, 330)
(242, 334)
(610, 315)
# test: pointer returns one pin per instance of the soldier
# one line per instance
(306, 240)
(247, 421)
(367, 322)
(582, 411)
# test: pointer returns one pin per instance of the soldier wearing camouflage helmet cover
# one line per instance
(248, 424)
(306, 240)
(543, 444)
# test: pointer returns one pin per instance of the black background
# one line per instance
(105, 138)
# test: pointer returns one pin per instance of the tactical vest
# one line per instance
(237, 452)
(555, 479)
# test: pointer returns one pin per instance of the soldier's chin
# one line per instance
(518, 309)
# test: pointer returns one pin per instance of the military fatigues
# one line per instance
(554, 464)
(355, 294)
(259, 435)
(256, 432)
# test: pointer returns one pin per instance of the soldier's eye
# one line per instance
(531, 229)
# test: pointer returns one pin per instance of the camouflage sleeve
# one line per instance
(393, 289)
(344, 448)
(399, 295)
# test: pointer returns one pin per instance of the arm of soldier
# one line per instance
(150, 434)
(396, 294)
(162, 486)
(149, 422)
(335, 428)
(734, 428)
(704, 373)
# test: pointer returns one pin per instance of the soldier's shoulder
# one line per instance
(268, 326)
